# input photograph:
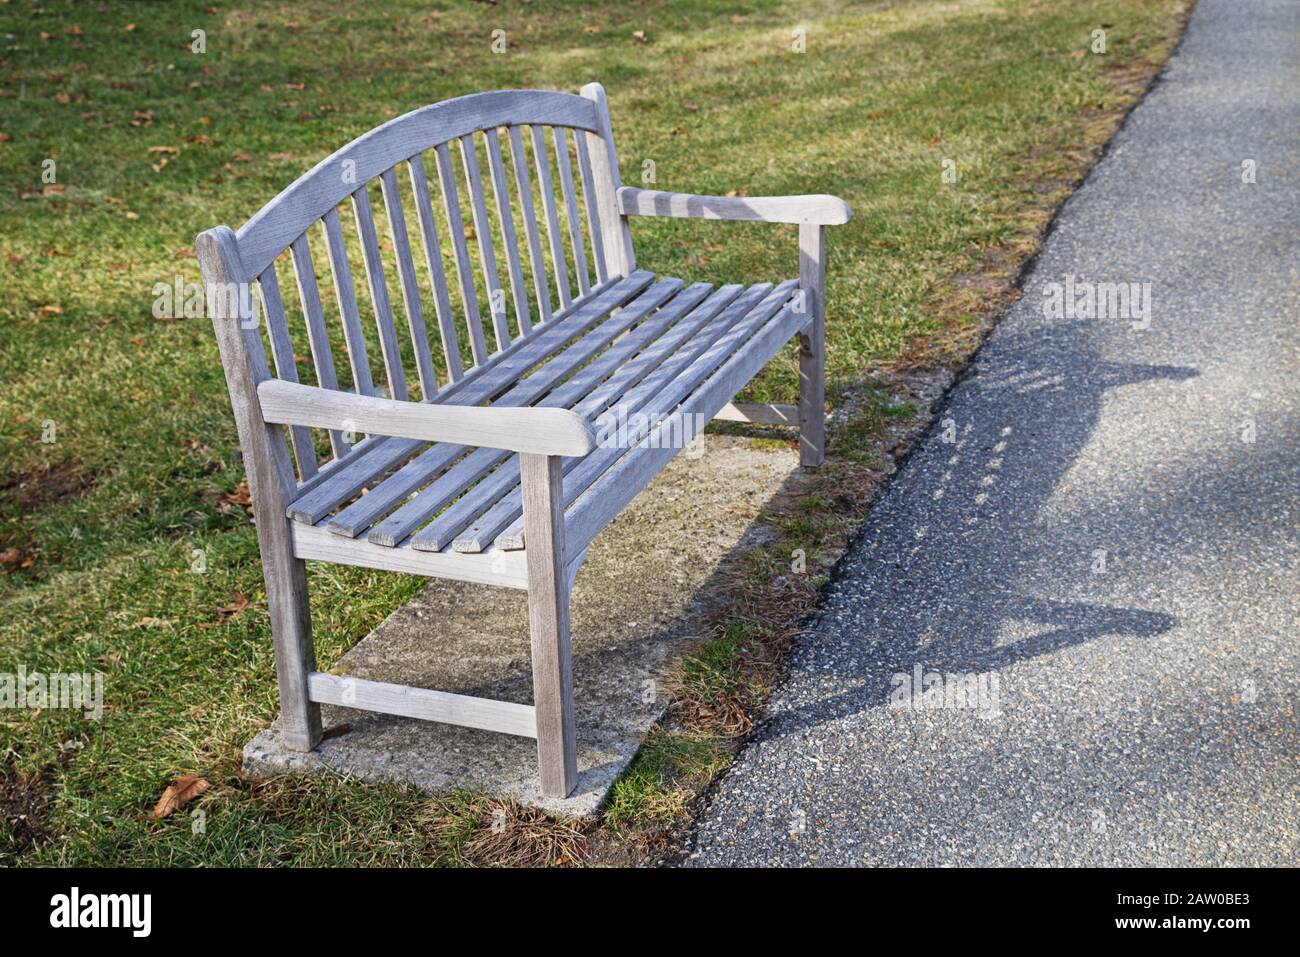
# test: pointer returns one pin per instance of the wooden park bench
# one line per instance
(476, 458)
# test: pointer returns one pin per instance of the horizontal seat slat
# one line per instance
(598, 505)
(501, 514)
(662, 402)
(420, 470)
(441, 533)
(476, 466)
(483, 383)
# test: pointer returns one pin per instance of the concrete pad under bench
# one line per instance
(639, 602)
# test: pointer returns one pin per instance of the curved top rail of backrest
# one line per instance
(332, 180)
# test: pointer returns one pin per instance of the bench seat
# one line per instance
(673, 350)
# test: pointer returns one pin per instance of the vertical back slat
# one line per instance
(379, 293)
(346, 294)
(589, 204)
(286, 367)
(552, 221)
(524, 184)
(487, 255)
(456, 228)
(410, 289)
(571, 207)
(317, 335)
(518, 291)
(433, 261)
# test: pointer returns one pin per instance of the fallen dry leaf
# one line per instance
(238, 605)
(179, 793)
(240, 501)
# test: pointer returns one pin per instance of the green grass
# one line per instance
(141, 425)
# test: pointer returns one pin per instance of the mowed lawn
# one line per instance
(116, 439)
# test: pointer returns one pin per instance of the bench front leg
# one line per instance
(548, 621)
(812, 346)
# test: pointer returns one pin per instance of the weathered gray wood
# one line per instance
(760, 413)
(617, 237)
(502, 521)
(437, 275)
(410, 288)
(337, 176)
(270, 480)
(505, 569)
(321, 353)
(464, 273)
(505, 717)
(494, 504)
(487, 253)
(286, 365)
(812, 346)
(472, 469)
(815, 209)
(687, 356)
(548, 624)
(346, 294)
(589, 205)
(546, 431)
(537, 264)
(422, 469)
(480, 384)
(518, 291)
(553, 234)
(571, 206)
(327, 468)
(383, 308)
(658, 395)
(619, 484)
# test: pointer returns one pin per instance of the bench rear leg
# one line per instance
(812, 347)
(548, 622)
(270, 476)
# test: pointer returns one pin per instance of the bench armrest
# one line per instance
(538, 431)
(817, 210)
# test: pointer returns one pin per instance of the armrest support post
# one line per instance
(812, 346)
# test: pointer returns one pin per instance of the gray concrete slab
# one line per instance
(1101, 531)
(640, 599)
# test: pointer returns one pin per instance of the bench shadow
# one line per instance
(960, 528)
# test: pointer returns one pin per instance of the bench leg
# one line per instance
(270, 476)
(295, 659)
(548, 622)
(812, 347)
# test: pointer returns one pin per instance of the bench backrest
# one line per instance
(498, 210)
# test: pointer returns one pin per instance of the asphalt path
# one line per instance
(1092, 562)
